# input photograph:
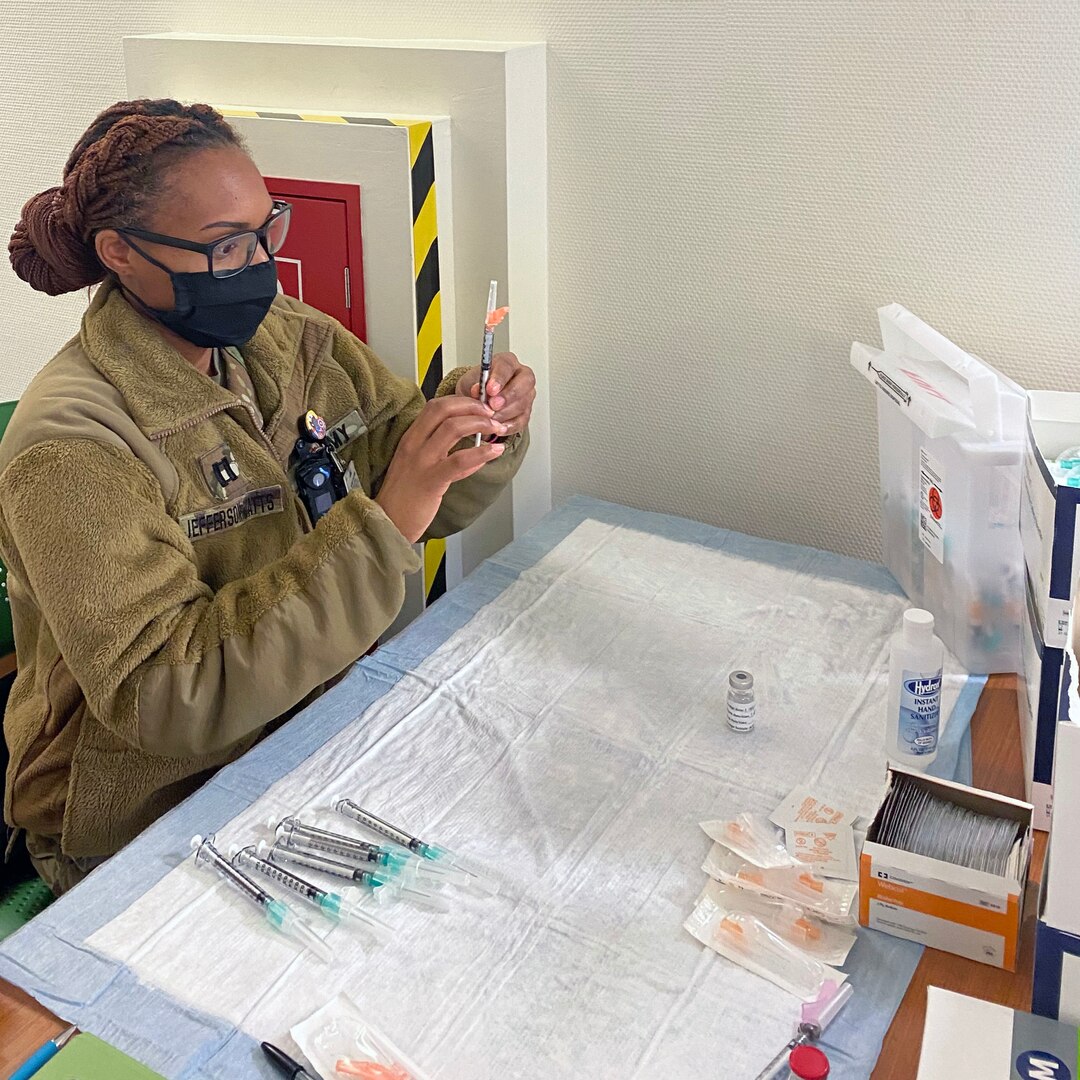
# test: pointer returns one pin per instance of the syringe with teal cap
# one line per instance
(292, 832)
(278, 914)
(333, 905)
(444, 862)
(383, 888)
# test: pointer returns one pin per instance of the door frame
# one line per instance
(349, 194)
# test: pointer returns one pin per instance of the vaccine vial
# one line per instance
(741, 704)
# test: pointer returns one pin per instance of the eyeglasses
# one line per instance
(231, 254)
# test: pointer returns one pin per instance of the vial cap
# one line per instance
(741, 680)
(808, 1063)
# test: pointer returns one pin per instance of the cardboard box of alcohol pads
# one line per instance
(946, 906)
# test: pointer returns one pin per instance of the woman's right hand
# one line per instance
(424, 466)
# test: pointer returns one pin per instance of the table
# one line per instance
(25, 1025)
(997, 765)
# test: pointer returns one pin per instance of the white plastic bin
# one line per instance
(951, 442)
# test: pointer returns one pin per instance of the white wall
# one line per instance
(735, 186)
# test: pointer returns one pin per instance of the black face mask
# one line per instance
(216, 312)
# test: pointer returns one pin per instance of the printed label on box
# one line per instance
(971, 942)
(1058, 617)
(931, 506)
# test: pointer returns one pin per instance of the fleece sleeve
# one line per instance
(167, 664)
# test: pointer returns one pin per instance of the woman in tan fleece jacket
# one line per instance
(173, 593)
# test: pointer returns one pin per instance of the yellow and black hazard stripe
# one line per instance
(429, 363)
(429, 344)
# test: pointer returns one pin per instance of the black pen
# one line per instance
(287, 1067)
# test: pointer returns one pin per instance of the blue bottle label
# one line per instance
(920, 712)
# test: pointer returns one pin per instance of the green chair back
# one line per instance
(7, 634)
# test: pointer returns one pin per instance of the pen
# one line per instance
(38, 1059)
(493, 317)
(285, 1064)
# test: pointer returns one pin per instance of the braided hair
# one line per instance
(110, 181)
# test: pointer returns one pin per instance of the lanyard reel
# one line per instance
(316, 471)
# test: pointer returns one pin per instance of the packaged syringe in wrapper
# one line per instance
(342, 1045)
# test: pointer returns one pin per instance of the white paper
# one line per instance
(569, 736)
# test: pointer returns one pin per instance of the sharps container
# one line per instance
(951, 436)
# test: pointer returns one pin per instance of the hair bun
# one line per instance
(47, 253)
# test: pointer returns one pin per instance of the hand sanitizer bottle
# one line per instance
(915, 664)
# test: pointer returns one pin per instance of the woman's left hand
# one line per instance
(511, 390)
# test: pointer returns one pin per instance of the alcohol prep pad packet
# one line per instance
(829, 849)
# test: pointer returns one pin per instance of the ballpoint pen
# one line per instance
(38, 1059)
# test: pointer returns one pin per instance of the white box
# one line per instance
(1048, 512)
(1056, 983)
(968, 1039)
(1045, 677)
(951, 436)
(953, 908)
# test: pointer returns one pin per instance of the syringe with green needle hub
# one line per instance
(446, 861)
(278, 914)
(382, 887)
(333, 905)
(292, 832)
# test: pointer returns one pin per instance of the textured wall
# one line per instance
(735, 186)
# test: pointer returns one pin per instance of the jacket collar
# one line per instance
(162, 389)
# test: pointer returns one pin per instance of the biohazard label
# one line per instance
(931, 506)
(216, 519)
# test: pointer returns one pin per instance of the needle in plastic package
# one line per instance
(748, 942)
(753, 837)
(277, 913)
(817, 938)
(827, 899)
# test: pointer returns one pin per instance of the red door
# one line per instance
(321, 262)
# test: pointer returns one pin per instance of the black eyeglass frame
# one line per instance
(281, 208)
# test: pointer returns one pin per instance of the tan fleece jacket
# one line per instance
(167, 612)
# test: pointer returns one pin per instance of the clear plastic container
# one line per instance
(951, 434)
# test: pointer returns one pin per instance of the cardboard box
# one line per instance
(953, 908)
(1056, 983)
(1041, 689)
(968, 1039)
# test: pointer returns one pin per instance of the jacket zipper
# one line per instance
(203, 417)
